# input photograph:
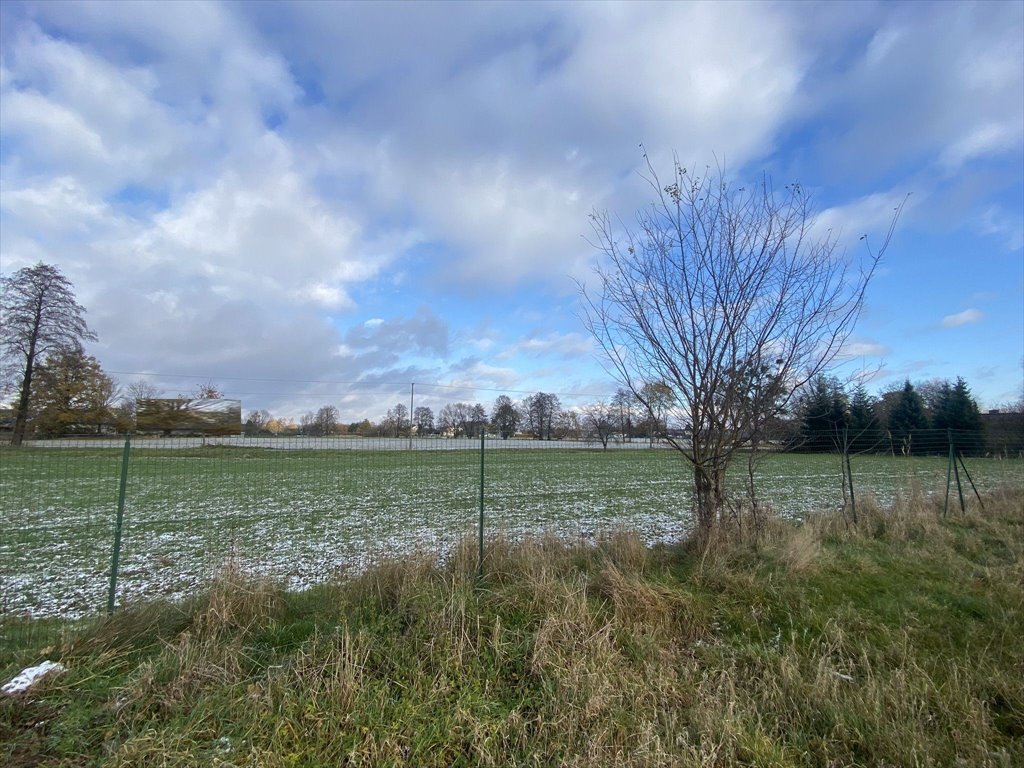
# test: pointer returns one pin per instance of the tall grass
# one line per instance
(896, 641)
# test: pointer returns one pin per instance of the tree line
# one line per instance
(905, 419)
(60, 390)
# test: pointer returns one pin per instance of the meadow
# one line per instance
(310, 514)
(893, 642)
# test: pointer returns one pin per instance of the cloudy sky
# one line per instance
(320, 203)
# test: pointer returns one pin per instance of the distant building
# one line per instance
(1004, 432)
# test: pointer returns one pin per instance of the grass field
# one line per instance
(894, 643)
(304, 516)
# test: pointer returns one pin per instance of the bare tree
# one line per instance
(477, 420)
(423, 418)
(568, 425)
(540, 411)
(39, 315)
(622, 402)
(599, 421)
(326, 421)
(455, 418)
(207, 391)
(657, 398)
(257, 423)
(139, 389)
(732, 300)
(396, 419)
(505, 417)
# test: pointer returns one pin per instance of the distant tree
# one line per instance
(455, 418)
(958, 411)
(907, 421)
(866, 433)
(281, 426)
(307, 424)
(656, 398)
(39, 316)
(568, 425)
(623, 402)
(396, 420)
(326, 421)
(207, 391)
(541, 409)
(136, 390)
(73, 393)
(599, 420)
(462, 419)
(823, 415)
(423, 418)
(477, 422)
(505, 417)
(932, 392)
(257, 423)
(364, 428)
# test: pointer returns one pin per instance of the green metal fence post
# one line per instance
(964, 466)
(949, 470)
(956, 474)
(481, 541)
(849, 472)
(116, 555)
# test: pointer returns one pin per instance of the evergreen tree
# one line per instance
(908, 422)
(865, 426)
(823, 415)
(958, 411)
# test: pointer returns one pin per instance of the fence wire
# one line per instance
(307, 510)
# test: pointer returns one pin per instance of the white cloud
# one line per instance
(564, 87)
(962, 318)
(1006, 226)
(900, 103)
(235, 179)
(854, 349)
(60, 203)
(869, 215)
(985, 139)
(570, 345)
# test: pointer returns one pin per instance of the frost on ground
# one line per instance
(304, 520)
(30, 676)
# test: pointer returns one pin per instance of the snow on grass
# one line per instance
(30, 676)
(306, 517)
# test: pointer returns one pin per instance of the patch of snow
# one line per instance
(28, 677)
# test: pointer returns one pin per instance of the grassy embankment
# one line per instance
(900, 642)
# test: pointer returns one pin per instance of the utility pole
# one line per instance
(412, 401)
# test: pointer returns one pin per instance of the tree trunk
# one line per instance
(709, 497)
(21, 419)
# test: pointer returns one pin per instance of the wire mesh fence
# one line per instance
(305, 510)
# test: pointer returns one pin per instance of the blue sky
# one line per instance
(288, 198)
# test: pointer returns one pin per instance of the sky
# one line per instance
(322, 203)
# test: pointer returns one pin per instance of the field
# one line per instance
(896, 642)
(308, 514)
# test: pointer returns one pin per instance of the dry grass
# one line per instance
(895, 641)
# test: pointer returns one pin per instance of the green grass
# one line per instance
(896, 642)
(306, 515)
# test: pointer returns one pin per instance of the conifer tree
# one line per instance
(958, 411)
(908, 422)
(865, 426)
(823, 414)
